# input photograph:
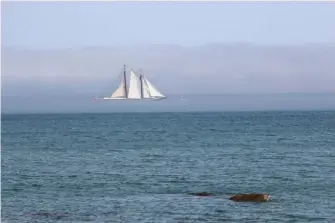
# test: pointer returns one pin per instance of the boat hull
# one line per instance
(147, 99)
(106, 98)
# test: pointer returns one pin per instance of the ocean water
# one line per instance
(141, 167)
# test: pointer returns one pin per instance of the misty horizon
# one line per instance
(220, 69)
(71, 77)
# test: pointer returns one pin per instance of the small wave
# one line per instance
(36, 185)
(304, 217)
(72, 176)
(47, 214)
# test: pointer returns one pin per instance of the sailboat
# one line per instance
(140, 88)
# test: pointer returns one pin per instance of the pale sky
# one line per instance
(77, 24)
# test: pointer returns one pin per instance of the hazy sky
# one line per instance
(40, 75)
(65, 24)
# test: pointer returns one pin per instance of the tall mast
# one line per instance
(141, 81)
(125, 80)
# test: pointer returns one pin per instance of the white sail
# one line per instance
(153, 92)
(146, 90)
(120, 92)
(134, 91)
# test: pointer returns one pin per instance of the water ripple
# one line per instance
(142, 167)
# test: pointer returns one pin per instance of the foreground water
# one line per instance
(142, 167)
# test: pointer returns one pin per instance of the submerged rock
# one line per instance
(250, 197)
(202, 194)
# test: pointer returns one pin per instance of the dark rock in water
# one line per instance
(250, 197)
(202, 194)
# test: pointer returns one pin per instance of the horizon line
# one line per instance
(160, 112)
(190, 94)
(213, 44)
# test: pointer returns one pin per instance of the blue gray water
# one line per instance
(141, 167)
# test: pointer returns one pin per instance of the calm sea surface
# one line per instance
(141, 167)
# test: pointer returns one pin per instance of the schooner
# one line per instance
(139, 88)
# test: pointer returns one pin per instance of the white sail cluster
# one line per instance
(139, 88)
